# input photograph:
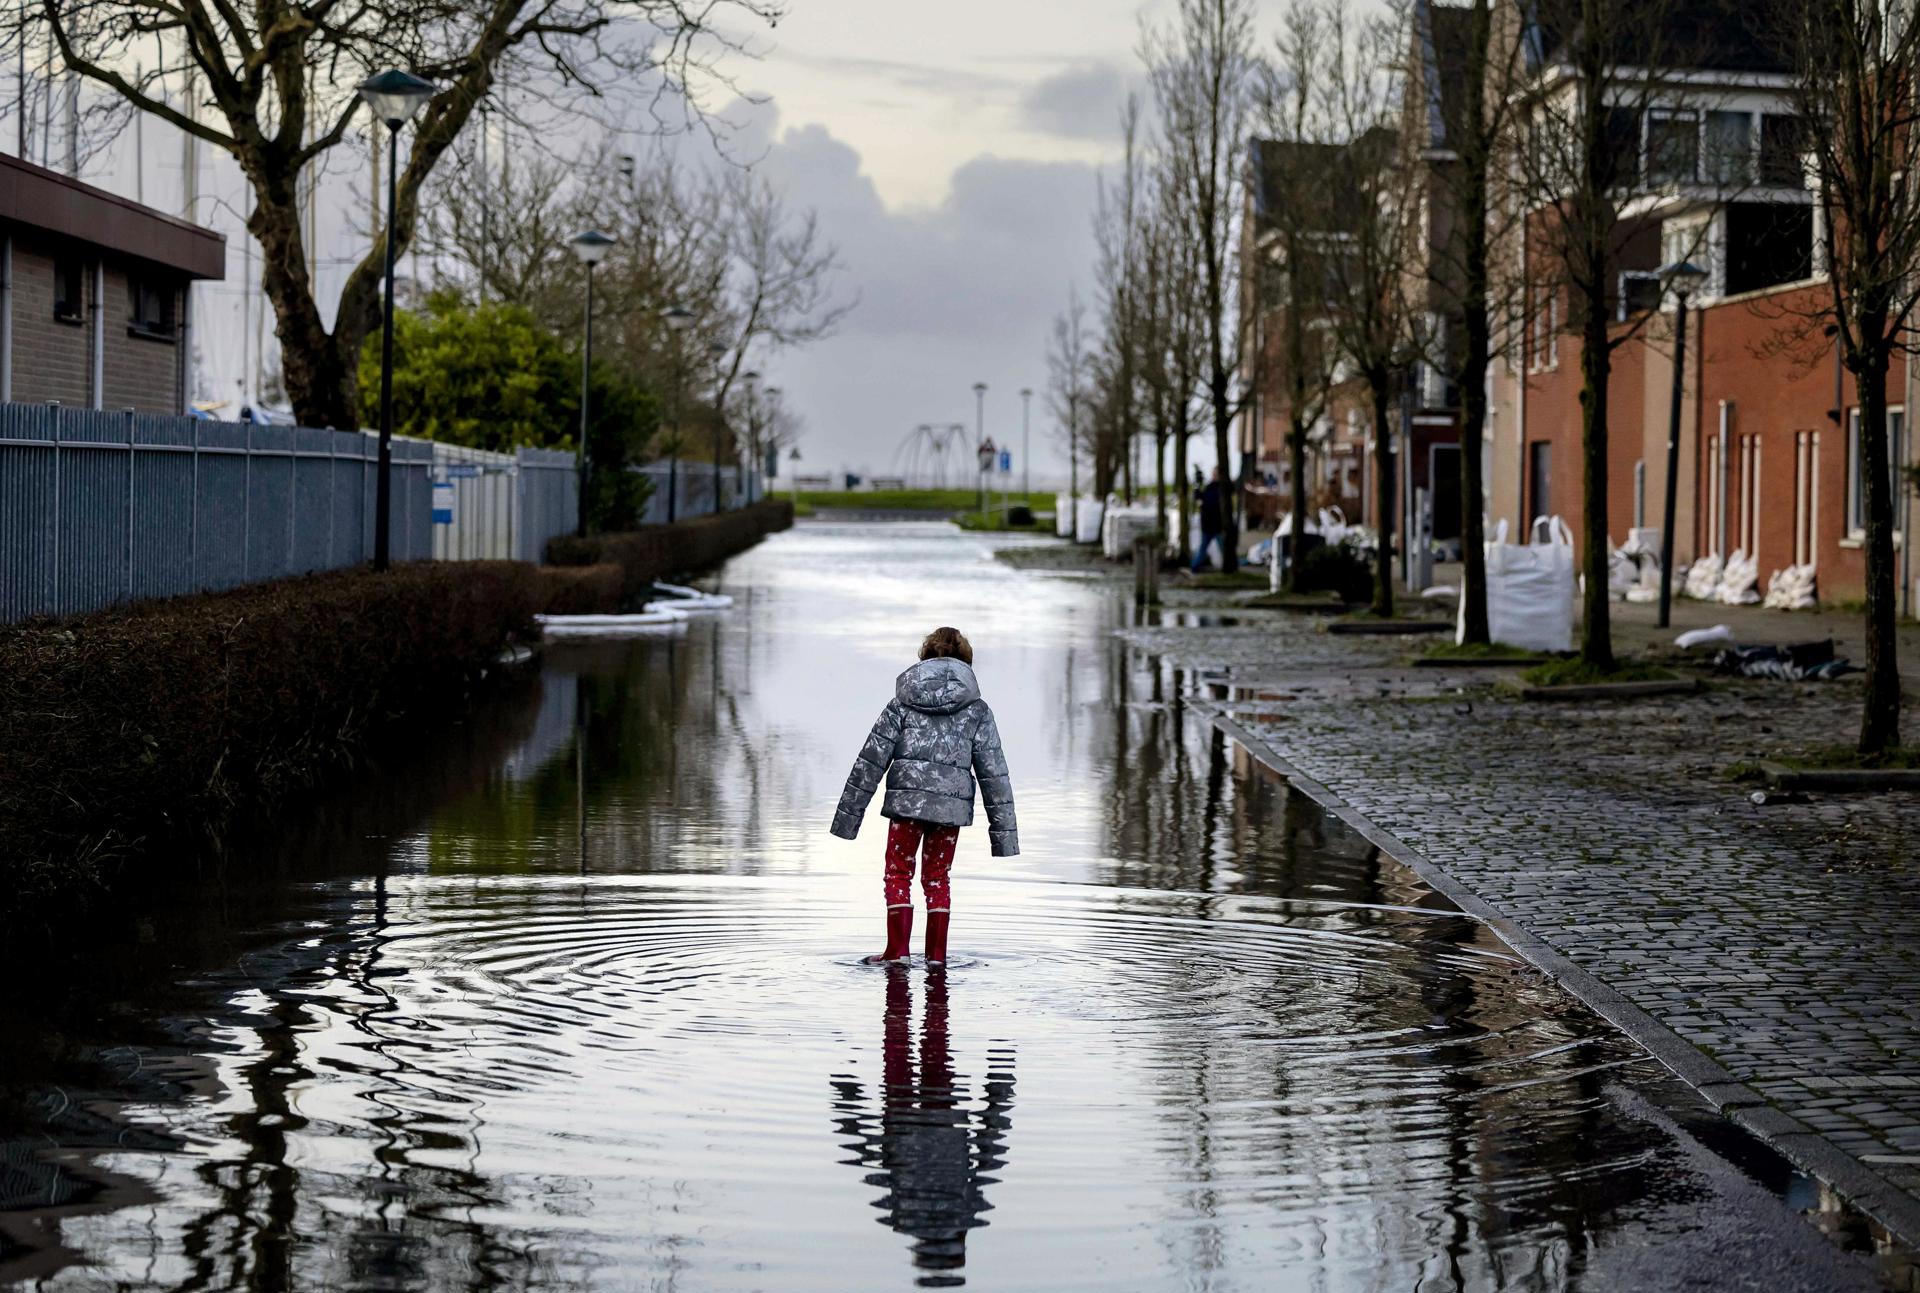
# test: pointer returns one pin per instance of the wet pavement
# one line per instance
(571, 998)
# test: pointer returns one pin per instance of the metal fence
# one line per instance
(692, 482)
(98, 508)
(501, 506)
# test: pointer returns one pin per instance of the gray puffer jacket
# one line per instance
(932, 739)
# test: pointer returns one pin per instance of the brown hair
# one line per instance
(947, 642)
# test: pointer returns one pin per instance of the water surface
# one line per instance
(575, 1000)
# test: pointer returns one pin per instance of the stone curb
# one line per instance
(1863, 781)
(1812, 1152)
(1612, 690)
(1384, 628)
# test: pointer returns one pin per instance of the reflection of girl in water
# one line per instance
(929, 1153)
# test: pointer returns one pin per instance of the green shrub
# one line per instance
(1339, 570)
(662, 551)
(167, 721)
(581, 590)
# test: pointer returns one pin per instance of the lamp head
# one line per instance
(678, 317)
(1026, 392)
(751, 376)
(979, 388)
(591, 247)
(1683, 277)
(395, 96)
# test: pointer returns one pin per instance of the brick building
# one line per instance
(1341, 466)
(1768, 464)
(94, 306)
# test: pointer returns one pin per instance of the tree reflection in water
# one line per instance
(925, 1147)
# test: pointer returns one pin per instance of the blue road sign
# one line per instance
(1006, 460)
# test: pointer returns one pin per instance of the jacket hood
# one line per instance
(938, 686)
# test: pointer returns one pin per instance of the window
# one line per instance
(1539, 481)
(151, 300)
(1780, 152)
(1856, 468)
(1768, 244)
(69, 289)
(1729, 148)
(1639, 293)
(1673, 148)
(1622, 168)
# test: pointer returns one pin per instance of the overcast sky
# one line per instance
(951, 151)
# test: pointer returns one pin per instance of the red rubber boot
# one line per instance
(937, 938)
(899, 935)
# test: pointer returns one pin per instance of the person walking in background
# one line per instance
(1210, 521)
(930, 743)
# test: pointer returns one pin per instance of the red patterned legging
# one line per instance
(904, 839)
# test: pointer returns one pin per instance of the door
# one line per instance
(1539, 482)
(1443, 479)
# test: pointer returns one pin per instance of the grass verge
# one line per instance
(1478, 651)
(1841, 757)
(1575, 672)
(913, 500)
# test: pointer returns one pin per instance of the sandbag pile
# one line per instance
(1739, 581)
(1703, 579)
(1792, 589)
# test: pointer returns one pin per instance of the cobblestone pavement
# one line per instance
(1783, 940)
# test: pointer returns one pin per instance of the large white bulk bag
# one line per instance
(1530, 589)
(1091, 514)
(1063, 515)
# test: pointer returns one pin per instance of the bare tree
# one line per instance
(1854, 64)
(1201, 71)
(1069, 376)
(1367, 238)
(1118, 273)
(1288, 237)
(1598, 67)
(277, 76)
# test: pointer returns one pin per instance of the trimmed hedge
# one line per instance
(659, 551)
(581, 590)
(168, 721)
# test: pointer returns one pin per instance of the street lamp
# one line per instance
(1684, 278)
(678, 319)
(394, 97)
(1026, 463)
(980, 437)
(590, 248)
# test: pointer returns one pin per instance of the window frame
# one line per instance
(1656, 178)
(70, 310)
(1856, 481)
(166, 296)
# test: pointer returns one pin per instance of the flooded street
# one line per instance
(576, 1002)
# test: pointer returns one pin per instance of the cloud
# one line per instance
(950, 294)
(1078, 102)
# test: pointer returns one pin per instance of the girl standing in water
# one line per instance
(931, 741)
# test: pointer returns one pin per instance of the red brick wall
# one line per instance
(1554, 416)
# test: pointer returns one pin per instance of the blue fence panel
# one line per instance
(163, 519)
(28, 488)
(96, 459)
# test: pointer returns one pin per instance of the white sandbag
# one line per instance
(1703, 637)
(1530, 589)
(1792, 589)
(1739, 581)
(1702, 582)
(1063, 515)
(1091, 514)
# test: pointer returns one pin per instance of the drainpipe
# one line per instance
(99, 365)
(1901, 462)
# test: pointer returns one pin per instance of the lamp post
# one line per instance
(678, 319)
(980, 436)
(1026, 462)
(590, 248)
(1684, 278)
(394, 97)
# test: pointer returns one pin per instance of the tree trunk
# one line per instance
(1297, 464)
(1596, 364)
(1382, 392)
(1473, 507)
(1229, 479)
(321, 373)
(1160, 487)
(1880, 719)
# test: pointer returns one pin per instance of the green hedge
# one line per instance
(662, 551)
(164, 722)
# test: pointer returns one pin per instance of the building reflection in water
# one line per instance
(922, 1138)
